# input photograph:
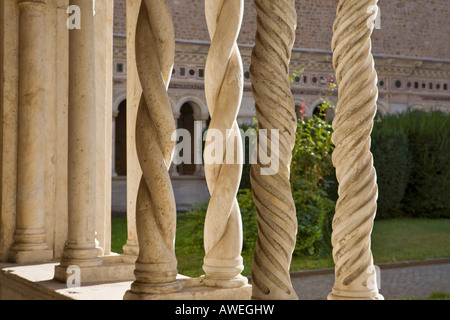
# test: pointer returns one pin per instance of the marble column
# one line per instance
(156, 266)
(80, 247)
(224, 80)
(103, 25)
(30, 236)
(113, 144)
(355, 276)
(275, 109)
(9, 62)
(134, 172)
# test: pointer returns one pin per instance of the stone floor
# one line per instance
(398, 281)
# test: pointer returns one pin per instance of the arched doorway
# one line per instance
(319, 111)
(324, 112)
(186, 121)
(121, 140)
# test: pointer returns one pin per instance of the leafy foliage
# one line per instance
(428, 135)
(310, 169)
(392, 161)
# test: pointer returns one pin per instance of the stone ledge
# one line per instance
(194, 289)
(36, 282)
(114, 268)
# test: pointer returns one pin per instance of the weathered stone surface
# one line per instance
(30, 243)
(356, 109)
(223, 87)
(80, 247)
(156, 266)
(277, 222)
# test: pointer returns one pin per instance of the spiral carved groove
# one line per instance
(156, 266)
(224, 88)
(356, 109)
(277, 223)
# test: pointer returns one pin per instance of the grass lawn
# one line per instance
(435, 296)
(392, 240)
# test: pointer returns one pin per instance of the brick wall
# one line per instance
(120, 21)
(409, 28)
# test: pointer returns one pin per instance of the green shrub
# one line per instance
(311, 171)
(314, 214)
(392, 161)
(428, 189)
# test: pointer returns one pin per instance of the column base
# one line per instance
(195, 289)
(224, 273)
(236, 282)
(354, 296)
(30, 256)
(131, 250)
(139, 290)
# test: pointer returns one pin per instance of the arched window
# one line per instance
(186, 121)
(121, 140)
(320, 112)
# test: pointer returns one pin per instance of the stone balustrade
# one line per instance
(55, 147)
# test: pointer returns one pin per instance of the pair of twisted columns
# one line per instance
(156, 266)
(355, 276)
(224, 80)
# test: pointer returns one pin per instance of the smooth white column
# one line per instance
(134, 92)
(103, 21)
(9, 60)
(80, 247)
(30, 236)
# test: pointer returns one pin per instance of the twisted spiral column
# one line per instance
(275, 109)
(156, 266)
(223, 262)
(356, 207)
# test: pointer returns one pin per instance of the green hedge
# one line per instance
(392, 161)
(427, 192)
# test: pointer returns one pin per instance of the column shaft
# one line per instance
(156, 266)
(134, 92)
(223, 238)
(355, 276)
(275, 109)
(80, 246)
(30, 236)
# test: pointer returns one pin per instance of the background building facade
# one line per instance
(412, 57)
